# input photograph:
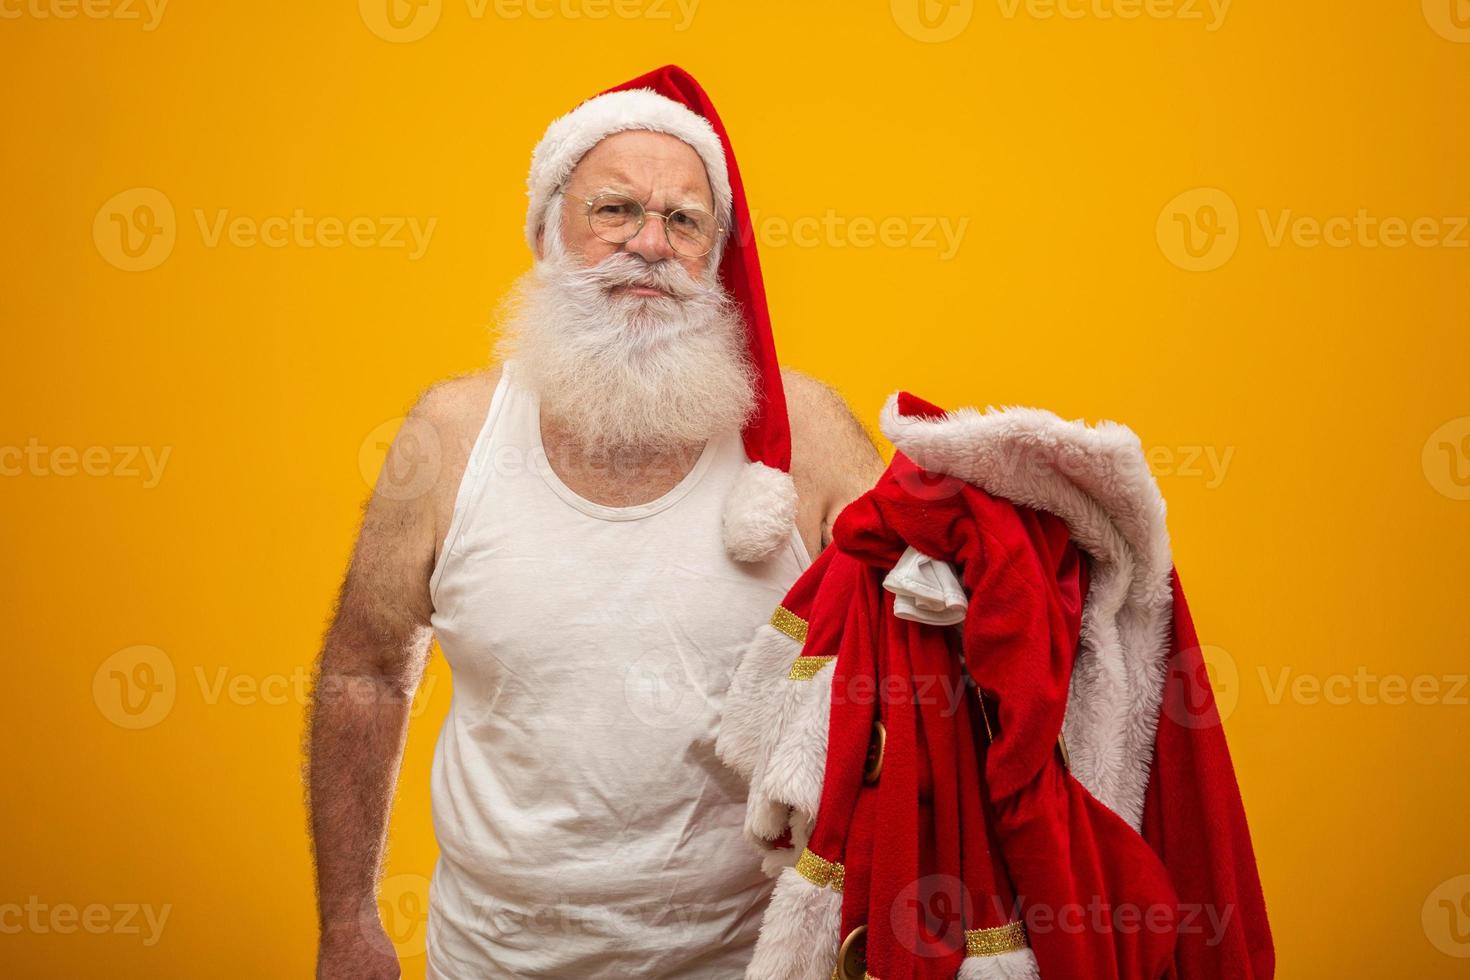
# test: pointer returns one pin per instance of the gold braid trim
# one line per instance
(978, 942)
(805, 668)
(819, 871)
(996, 940)
(789, 623)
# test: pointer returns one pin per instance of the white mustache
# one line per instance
(626, 269)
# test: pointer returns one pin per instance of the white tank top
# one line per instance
(586, 827)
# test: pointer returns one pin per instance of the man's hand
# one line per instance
(357, 951)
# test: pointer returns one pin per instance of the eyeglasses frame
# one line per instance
(645, 212)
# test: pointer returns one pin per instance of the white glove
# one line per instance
(926, 590)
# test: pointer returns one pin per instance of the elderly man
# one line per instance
(617, 505)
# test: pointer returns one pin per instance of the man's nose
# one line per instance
(651, 244)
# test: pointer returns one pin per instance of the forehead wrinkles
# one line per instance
(671, 201)
(684, 191)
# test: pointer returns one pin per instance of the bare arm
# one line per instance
(831, 452)
(369, 667)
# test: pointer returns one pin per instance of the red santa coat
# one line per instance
(1078, 817)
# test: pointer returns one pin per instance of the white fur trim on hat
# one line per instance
(569, 138)
(760, 512)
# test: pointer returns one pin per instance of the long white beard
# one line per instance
(624, 372)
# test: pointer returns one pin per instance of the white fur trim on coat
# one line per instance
(786, 785)
(745, 722)
(800, 933)
(1018, 964)
(759, 512)
(797, 758)
(569, 138)
(774, 861)
(1095, 479)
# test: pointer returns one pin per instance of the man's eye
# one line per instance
(680, 218)
(612, 210)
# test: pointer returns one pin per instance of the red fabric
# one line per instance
(1194, 820)
(849, 603)
(1099, 900)
(767, 435)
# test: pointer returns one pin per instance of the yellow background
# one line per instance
(1332, 544)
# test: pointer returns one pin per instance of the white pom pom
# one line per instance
(760, 512)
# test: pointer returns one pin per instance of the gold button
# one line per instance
(873, 765)
(852, 957)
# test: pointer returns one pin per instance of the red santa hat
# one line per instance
(760, 510)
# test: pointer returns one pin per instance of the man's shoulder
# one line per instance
(444, 423)
(811, 403)
(830, 446)
(455, 403)
(817, 410)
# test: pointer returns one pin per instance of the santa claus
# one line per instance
(955, 722)
(590, 529)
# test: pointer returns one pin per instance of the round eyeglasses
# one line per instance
(617, 219)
